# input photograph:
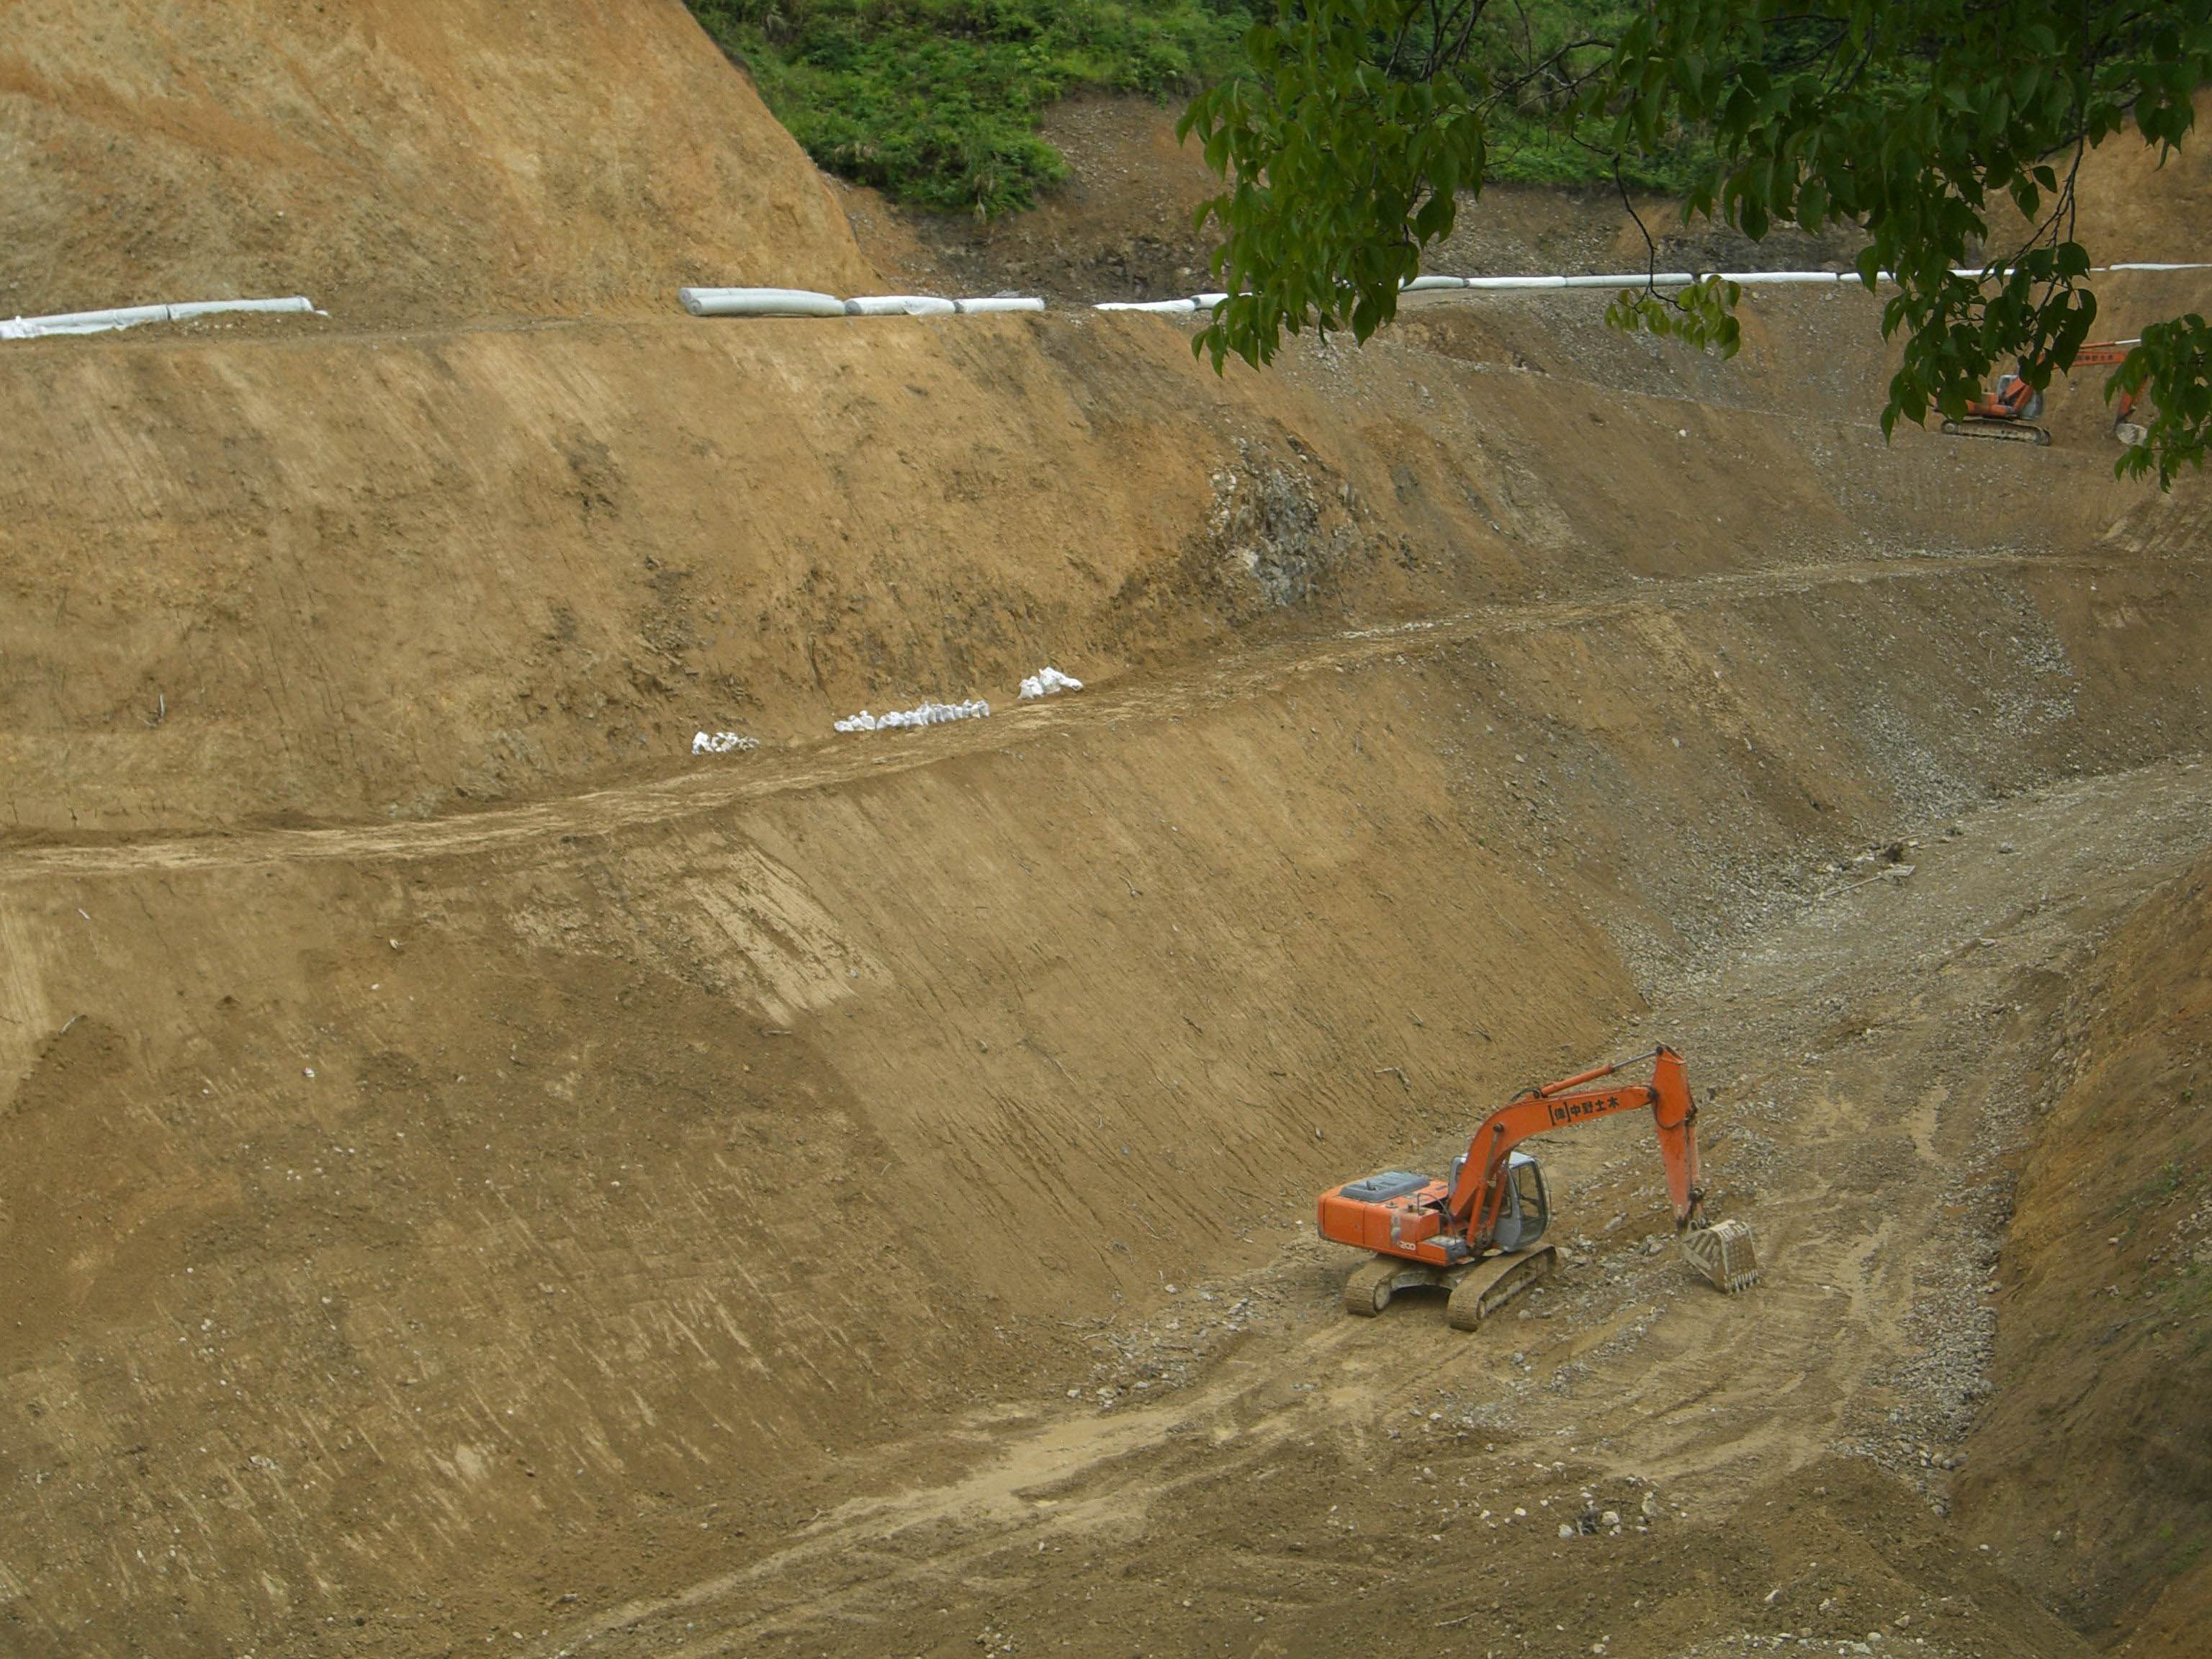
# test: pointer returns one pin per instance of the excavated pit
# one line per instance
(476, 1174)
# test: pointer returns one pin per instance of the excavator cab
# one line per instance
(1527, 1211)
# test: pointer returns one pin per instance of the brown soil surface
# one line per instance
(266, 579)
(396, 162)
(2108, 1264)
(475, 1177)
(2133, 205)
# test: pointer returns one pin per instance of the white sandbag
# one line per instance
(900, 305)
(1166, 308)
(1046, 680)
(989, 303)
(759, 303)
(929, 713)
(722, 742)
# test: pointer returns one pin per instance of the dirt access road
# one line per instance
(689, 790)
(1629, 1464)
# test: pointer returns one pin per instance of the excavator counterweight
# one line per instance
(1479, 1232)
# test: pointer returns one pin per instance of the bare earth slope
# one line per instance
(2097, 1428)
(370, 575)
(473, 1176)
(395, 162)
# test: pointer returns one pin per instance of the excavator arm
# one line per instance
(1478, 1193)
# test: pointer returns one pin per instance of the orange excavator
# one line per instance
(2013, 410)
(1479, 1233)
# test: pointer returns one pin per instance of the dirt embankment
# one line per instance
(378, 576)
(400, 164)
(2093, 1460)
(2130, 204)
(429, 1222)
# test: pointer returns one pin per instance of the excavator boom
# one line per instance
(1478, 1192)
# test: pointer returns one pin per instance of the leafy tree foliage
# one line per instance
(1347, 144)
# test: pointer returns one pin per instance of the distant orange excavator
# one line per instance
(1479, 1233)
(2013, 410)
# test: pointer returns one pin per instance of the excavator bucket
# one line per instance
(1725, 1253)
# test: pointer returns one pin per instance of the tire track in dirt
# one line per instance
(1042, 1480)
(1656, 1380)
(701, 790)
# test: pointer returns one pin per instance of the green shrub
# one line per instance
(935, 102)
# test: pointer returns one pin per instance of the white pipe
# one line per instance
(805, 302)
(1656, 279)
(190, 308)
(95, 322)
(900, 305)
(92, 322)
(759, 303)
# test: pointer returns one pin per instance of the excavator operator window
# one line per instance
(1528, 1187)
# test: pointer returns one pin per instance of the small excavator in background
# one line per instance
(2013, 410)
(1479, 1233)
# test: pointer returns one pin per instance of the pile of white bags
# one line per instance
(1046, 680)
(930, 714)
(721, 743)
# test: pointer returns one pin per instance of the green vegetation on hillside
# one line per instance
(1522, 69)
(935, 102)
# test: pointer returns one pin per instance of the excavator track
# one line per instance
(2017, 432)
(1477, 1291)
(1491, 1283)
(1372, 1284)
